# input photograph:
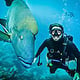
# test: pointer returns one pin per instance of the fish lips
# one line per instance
(25, 62)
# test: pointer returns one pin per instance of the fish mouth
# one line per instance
(24, 62)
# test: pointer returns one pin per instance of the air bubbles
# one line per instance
(69, 14)
(65, 4)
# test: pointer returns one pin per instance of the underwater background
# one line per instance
(45, 12)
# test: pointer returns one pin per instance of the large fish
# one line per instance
(20, 30)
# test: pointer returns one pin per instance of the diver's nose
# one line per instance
(55, 34)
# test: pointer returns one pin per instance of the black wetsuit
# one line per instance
(56, 48)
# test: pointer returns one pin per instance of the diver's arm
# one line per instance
(40, 50)
(77, 55)
(43, 45)
(74, 50)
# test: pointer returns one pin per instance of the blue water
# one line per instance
(46, 12)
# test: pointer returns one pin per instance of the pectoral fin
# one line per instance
(4, 36)
(3, 22)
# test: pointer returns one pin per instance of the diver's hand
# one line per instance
(34, 60)
(76, 76)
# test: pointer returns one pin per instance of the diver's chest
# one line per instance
(55, 47)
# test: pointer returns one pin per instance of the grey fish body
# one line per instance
(22, 26)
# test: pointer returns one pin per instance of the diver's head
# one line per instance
(9, 2)
(56, 31)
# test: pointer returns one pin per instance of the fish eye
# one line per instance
(21, 37)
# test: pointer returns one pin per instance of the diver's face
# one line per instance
(56, 33)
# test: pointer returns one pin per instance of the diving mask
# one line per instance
(56, 33)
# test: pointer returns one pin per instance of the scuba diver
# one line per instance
(60, 48)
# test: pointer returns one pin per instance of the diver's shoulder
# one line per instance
(70, 43)
(48, 39)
